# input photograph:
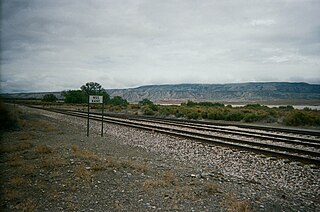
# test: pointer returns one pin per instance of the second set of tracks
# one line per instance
(297, 145)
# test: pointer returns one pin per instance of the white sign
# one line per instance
(95, 99)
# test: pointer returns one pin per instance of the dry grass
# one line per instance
(84, 154)
(152, 183)
(143, 168)
(99, 166)
(27, 206)
(53, 162)
(127, 164)
(42, 125)
(17, 181)
(15, 160)
(28, 169)
(75, 148)
(212, 188)
(70, 184)
(112, 163)
(26, 137)
(53, 194)
(10, 148)
(82, 173)
(234, 205)
(72, 206)
(184, 192)
(169, 177)
(43, 149)
(11, 194)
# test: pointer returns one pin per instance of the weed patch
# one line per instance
(211, 188)
(82, 173)
(29, 169)
(28, 205)
(152, 183)
(143, 168)
(53, 162)
(17, 181)
(43, 149)
(9, 148)
(99, 166)
(84, 154)
(169, 177)
(15, 160)
(234, 205)
(11, 194)
(42, 125)
(185, 192)
(110, 162)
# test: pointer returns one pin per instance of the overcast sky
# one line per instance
(54, 45)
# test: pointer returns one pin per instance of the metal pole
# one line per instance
(102, 120)
(88, 119)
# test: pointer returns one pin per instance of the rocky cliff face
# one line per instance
(237, 92)
(222, 92)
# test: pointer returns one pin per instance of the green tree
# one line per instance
(94, 88)
(49, 98)
(118, 101)
(149, 103)
(74, 96)
(146, 102)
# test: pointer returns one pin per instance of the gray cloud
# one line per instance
(56, 45)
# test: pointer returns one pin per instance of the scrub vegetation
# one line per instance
(250, 113)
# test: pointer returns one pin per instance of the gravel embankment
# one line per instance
(161, 172)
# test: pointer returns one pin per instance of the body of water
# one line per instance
(300, 107)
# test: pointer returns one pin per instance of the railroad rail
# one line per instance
(297, 147)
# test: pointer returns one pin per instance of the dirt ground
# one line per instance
(50, 165)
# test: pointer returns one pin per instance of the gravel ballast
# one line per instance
(130, 169)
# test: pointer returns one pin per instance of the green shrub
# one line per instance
(204, 114)
(301, 118)
(118, 101)
(254, 106)
(234, 116)
(250, 117)
(178, 114)
(148, 111)
(204, 104)
(216, 115)
(193, 115)
(134, 106)
(288, 107)
(164, 111)
(49, 98)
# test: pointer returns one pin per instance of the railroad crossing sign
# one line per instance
(95, 100)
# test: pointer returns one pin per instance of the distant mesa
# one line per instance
(274, 92)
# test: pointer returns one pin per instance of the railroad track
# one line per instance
(292, 146)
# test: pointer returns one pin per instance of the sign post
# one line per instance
(95, 100)
(88, 118)
(102, 119)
